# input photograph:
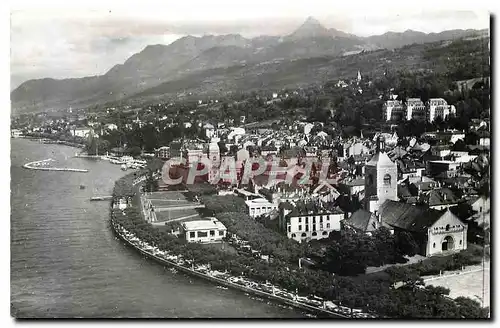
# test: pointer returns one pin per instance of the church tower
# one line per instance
(359, 76)
(380, 179)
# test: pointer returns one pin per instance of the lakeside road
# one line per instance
(303, 306)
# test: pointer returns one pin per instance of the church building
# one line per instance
(436, 232)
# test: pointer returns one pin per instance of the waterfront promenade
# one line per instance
(327, 309)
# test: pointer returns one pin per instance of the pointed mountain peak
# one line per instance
(312, 21)
(310, 28)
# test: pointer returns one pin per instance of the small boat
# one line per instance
(221, 287)
(124, 167)
(82, 187)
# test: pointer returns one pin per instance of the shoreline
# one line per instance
(49, 141)
(299, 305)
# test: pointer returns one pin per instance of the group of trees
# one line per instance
(349, 253)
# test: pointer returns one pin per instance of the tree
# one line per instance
(406, 244)
(134, 151)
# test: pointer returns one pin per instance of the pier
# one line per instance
(36, 165)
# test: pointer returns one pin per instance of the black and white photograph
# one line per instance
(250, 160)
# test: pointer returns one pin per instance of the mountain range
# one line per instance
(191, 61)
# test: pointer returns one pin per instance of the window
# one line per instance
(447, 227)
(307, 228)
(289, 228)
(300, 221)
(221, 233)
(307, 220)
(387, 180)
(304, 234)
(314, 227)
(314, 220)
(192, 234)
(314, 234)
(434, 245)
(293, 235)
(328, 225)
(212, 233)
(321, 219)
(460, 242)
(202, 234)
(325, 233)
(300, 227)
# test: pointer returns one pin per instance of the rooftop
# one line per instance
(212, 223)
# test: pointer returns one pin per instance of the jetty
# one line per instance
(39, 165)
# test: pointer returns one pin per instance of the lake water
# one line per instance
(66, 261)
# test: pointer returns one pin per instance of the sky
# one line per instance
(74, 42)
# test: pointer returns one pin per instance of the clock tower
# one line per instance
(380, 179)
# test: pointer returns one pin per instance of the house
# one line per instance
(205, 231)
(353, 186)
(15, 133)
(440, 150)
(435, 232)
(440, 198)
(81, 132)
(325, 192)
(480, 204)
(351, 148)
(111, 126)
(163, 153)
(484, 138)
(209, 130)
(305, 221)
(444, 168)
(259, 206)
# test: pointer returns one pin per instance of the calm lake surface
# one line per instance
(66, 261)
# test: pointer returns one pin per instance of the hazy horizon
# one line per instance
(71, 44)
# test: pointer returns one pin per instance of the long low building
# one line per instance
(204, 231)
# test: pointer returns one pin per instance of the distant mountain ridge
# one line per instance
(157, 64)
